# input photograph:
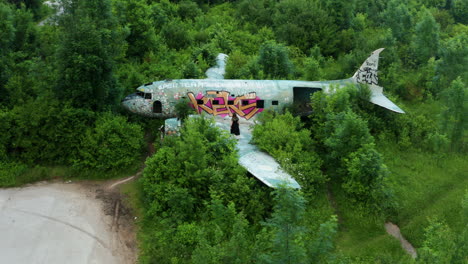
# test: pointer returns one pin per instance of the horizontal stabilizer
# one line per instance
(378, 98)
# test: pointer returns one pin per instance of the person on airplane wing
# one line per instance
(235, 125)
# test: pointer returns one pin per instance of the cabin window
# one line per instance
(157, 107)
(147, 95)
(215, 102)
(274, 102)
(245, 102)
(200, 101)
(260, 104)
(230, 102)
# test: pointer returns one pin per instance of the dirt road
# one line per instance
(64, 223)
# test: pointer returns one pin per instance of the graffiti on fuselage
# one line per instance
(222, 103)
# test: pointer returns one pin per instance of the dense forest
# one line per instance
(66, 65)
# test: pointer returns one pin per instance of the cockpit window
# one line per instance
(141, 94)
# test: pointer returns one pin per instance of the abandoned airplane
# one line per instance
(247, 98)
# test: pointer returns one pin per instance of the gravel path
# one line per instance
(394, 231)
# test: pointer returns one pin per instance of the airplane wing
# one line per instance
(261, 165)
(218, 71)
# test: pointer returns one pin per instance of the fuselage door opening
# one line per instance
(301, 99)
(157, 107)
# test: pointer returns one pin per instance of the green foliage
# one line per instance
(112, 144)
(10, 172)
(135, 16)
(183, 108)
(137, 41)
(321, 249)
(274, 60)
(454, 59)
(426, 39)
(44, 131)
(304, 24)
(397, 16)
(439, 245)
(183, 174)
(287, 245)
(455, 122)
(225, 237)
(283, 137)
(90, 41)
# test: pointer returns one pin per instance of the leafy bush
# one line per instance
(187, 170)
(283, 137)
(112, 144)
(9, 172)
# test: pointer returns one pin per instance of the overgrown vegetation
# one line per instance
(61, 78)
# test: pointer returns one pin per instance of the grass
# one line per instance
(427, 186)
(133, 197)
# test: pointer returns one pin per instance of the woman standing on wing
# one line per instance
(235, 125)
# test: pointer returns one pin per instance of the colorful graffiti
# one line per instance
(222, 103)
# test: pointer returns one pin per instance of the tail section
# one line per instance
(367, 74)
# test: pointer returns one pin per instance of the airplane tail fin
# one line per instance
(367, 74)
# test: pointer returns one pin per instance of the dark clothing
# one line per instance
(235, 126)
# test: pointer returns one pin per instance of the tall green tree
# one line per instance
(7, 37)
(90, 41)
(304, 24)
(397, 16)
(455, 121)
(426, 41)
(274, 60)
(286, 223)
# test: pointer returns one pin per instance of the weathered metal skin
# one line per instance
(168, 92)
(244, 97)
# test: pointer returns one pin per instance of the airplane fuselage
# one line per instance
(223, 97)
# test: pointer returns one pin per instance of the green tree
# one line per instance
(199, 163)
(285, 139)
(112, 144)
(137, 17)
(454, 60)
(350, 133)
(454, 121)
(286, 223)
(304, 24)
(397, 16)
(274, 60)
(224, 238)
(459, 11)
(7, 36)
(426, 41)
(439, 244)
(321, 248)
(90, 41)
